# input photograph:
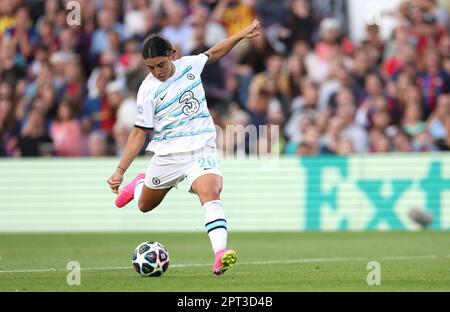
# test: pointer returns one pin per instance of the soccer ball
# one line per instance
(150, 259)
(420, 216)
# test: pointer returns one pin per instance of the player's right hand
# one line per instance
(253, 30)
(115, 180)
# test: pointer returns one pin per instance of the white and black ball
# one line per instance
(150, 259)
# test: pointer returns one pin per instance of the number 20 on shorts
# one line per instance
(207, 161)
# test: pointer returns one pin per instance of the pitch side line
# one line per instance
(311, 260)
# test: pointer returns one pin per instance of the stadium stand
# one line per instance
(70, 90)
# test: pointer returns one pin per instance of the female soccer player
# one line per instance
(171, 101)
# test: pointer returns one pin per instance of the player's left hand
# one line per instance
(115, 180)
(253, 30)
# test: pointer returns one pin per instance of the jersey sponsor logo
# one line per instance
(156, 181)
(140, 110)
(190, 76)
(191, 103)
(180, 111)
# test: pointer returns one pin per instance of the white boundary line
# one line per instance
(311, 260)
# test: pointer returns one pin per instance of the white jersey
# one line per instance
(176, 109)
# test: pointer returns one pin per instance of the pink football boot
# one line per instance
(223, 260)
(127, 193)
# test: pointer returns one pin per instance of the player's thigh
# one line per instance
(164, 173)
(151, 198)
(207, 187)
(205, 177)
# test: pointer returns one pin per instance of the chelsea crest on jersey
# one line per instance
(176, 109)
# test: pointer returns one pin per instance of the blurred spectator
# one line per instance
(331, 47)
(73, 89)
(350, 129)
(444, 143)
(34, 139)
(427, 31)
(441, 13)
(65, 132)
(311, 139)
(423, 142)
(98, 143)
(177, 30)
(251, 61)
(51, 8)
(107, 21)
(401, 141)
(271, 12)
(47, 39)
(379, 142)
(412, 122)
(300, 24)
(22, 35)
(302, 106)
(435, 122)
(404, 55)
(137, 16)
(373, 42)
(214, 32)
(433, 80)
(344, 146)
(374, 90)
(9, 128)
(360, 68)
(125, 113)
(273, 76)
(7, 18)
(328, 143)
(296, 71)
(10, 70)
(401, 36)
(444, 46)
(234, 14)
(381, 121)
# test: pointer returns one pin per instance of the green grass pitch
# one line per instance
(409, 261)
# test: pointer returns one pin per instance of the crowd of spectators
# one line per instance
(70, 90)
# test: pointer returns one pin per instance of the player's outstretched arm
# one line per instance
(222, 48)
(134, 144)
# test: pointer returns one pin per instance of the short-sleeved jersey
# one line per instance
(176, 109)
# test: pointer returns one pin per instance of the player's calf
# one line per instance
(147, 206)
(149, 198)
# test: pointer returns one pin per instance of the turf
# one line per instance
(410, 261)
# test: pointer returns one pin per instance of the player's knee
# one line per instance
(208, 195)
(146, 206)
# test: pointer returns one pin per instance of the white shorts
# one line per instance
(168, 170)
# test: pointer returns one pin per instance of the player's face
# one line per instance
(161, 67)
